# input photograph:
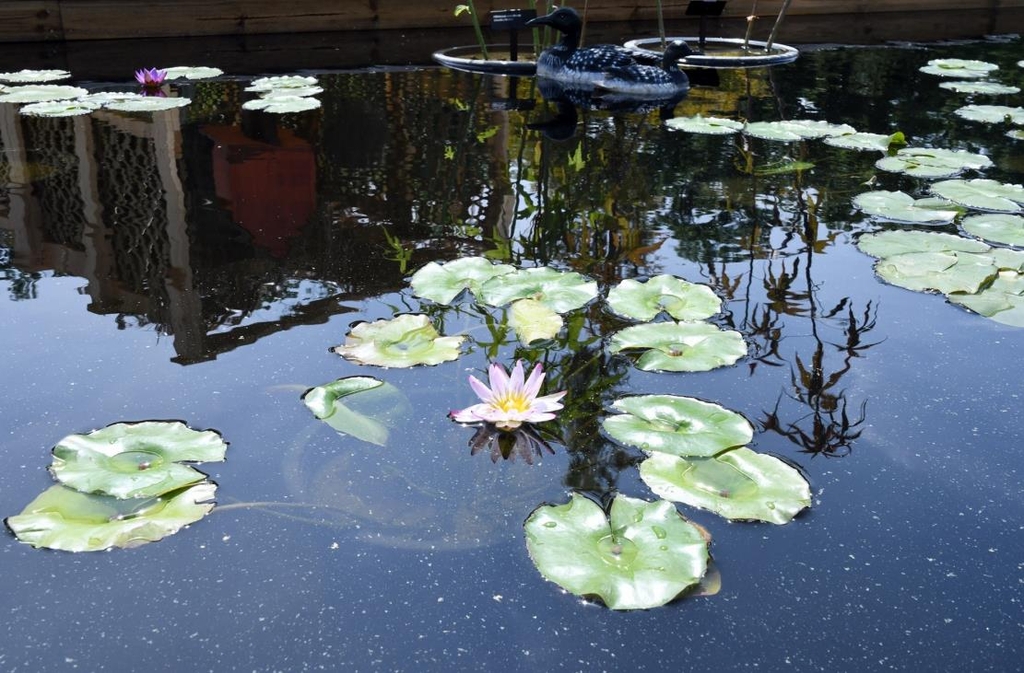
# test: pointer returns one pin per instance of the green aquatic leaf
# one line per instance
(681, 426)
(679, 298)
(65, 519)
(901, 207)
(282, 82)
(739, 484)
(135, 460)
(102, 98)
(680, 346)
(1016, 134)
(560, 291)
(282, 104)
(643, 555)
(920, 162)
(147, 104)
(371, 407)
(1002, 301)
(796, 129)
(404, 341)
(40, 93)
(442, 283)
(707, 125)
(192, 72)
(31, 76)
(533, 321)
(61, 108)
(943, 272)
(996, 227)
(958, 67)
(992, 114)
(866, 141)
(980, 87)
(889, 243)
(981, 194)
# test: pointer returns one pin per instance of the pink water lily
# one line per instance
(510, 401)
(150, 77)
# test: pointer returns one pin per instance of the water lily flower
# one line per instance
(510, 401)
(150, 78)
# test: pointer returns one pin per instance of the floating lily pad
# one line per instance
(943, 272)
(959, 68)
(28, 76)
(680, 347)
(281, 82)
(60, 108)
(282, 104)
(996, 227)
(65, 519)
(135, 460)
(442, 283)
(707, 125)
(560, 291)
(192, 72)
(681, 426)
(40, 93)
(992, 114)
(301, 92)
(641, 556)
(796, 129)
(739, 484)
(147, 104)
(533, 321)
(404, 341)
(102, 98)
(371, 407)
(866, 141)
(981, 194)
(1016, 134)
(922, 162)
(679, 298)
(1006, 259)
(901, 207)
(889, 243)
(980, 87)
(1002, 301)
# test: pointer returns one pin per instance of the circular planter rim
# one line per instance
(779, 54)
(454, 57)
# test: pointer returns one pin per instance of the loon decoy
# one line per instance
(567, 62)
(648, 80)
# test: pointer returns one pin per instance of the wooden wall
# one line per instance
(58, 20)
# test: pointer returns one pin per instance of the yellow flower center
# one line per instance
(513, 402)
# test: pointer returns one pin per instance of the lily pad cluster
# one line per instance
(284, 93)
(122, 486)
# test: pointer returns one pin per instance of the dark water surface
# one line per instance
(198, 265)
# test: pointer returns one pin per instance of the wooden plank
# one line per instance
(30, 21)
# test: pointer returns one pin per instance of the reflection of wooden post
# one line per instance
(99, 254)
(23, 212)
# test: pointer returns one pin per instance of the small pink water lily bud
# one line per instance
(510, 401)
(150, 77)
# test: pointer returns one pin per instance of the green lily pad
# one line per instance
(560, 291)
(681, 426)
(1002, 301)
(739, 484)
(147, 104)
(920, 162)
(865, 141)
(404, 341)
(1016, 134)
(192, 72)
(40, 93)
(102, 98)
(707, 125)
(796, 129)
(901, 207)
(281, 83)
(135, 460)
(370, 410)
(680, 346)
(959, 68)
(60, 108)
(890, 243)
(679, 298)
(442, 283)
(534, 321)
(992, 114)
(65, 519)
(996, 227)
(643, 555)
(980, 87)
(282, 104)
(981, 194)
(1006, 259)
(943, 272)
(30, 76)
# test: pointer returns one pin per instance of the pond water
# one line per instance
(198, 264)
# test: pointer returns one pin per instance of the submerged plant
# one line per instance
(510, 401)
